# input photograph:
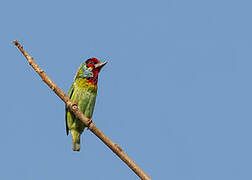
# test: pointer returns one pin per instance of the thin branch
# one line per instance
(74, 108)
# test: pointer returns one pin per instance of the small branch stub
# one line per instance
(74, 107)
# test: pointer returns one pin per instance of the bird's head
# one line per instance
(90, 70)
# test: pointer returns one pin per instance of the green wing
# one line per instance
(70, 93)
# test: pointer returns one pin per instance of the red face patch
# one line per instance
(90, 63)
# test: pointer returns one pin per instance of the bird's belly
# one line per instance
(85, 100)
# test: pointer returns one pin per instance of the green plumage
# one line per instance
(82, 92)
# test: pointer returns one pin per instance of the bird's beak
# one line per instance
(100, 65)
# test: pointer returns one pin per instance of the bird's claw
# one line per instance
(90, 120)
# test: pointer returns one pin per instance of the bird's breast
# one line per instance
(85, 85)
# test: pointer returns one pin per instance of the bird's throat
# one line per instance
(93, 80)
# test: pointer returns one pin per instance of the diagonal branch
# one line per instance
(74, 108)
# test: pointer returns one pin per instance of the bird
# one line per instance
(83, 93)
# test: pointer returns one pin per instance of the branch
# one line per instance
(74, 109)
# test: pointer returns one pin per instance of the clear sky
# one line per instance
(175, 94)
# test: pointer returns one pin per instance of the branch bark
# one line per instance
(74, 108)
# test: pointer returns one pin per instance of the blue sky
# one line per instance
(175, 94)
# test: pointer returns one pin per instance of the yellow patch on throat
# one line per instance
(84, 83)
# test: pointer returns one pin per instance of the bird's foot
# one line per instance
(90, 120)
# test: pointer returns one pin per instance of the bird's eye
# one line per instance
(88, 61)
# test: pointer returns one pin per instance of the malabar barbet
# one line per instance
(83, 93)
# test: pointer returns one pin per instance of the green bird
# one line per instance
(83, 92)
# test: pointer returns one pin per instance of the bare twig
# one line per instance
(74, 108)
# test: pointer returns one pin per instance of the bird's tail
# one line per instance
(76, 140)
